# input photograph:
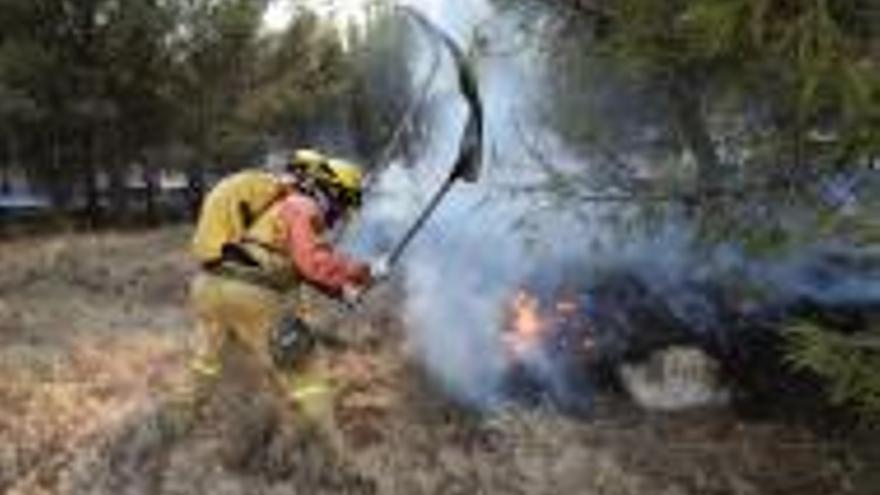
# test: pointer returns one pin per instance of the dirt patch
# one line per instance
(93, 334)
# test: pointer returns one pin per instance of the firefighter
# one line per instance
(259, 237)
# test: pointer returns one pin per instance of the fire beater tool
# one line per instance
(467, 165)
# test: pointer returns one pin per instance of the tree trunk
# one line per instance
(10, 164)
(58, 185)
(5, 181)
(685, 98)
(92, 159)
(90, 181)
(150, 179)
(116, 174)
(195, 187)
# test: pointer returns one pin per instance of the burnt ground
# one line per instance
(93, 337)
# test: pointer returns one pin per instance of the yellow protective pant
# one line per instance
(227, 309)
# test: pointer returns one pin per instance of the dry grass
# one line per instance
(92, 337)
(89, 327)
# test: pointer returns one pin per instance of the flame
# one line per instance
(566, 307)
(526, 326)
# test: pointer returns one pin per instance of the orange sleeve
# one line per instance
(314, 258)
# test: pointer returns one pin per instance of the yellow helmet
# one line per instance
(306, 159)
(344, 179)
(346, 174)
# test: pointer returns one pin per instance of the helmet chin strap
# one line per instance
(332, 210)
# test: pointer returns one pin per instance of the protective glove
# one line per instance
(380, 268)
(352, 295)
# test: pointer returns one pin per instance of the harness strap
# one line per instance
(264, 245)
(250, 274)
(249, 217)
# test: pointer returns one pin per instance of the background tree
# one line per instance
(388, 94)
(93, 93)
(739, 86)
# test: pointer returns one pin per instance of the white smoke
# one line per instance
(473, 253)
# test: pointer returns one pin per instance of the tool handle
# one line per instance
(414, 229)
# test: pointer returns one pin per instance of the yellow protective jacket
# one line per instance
(229, 209)
(283, 238)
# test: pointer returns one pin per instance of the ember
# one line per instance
(530, 327)
(526, 327)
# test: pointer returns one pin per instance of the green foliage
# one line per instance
(92, 87)
(383, 89)
(299, 75)
(849, 364)
(214, 59)
(818, 49)
(858, 225)
(742, 86)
